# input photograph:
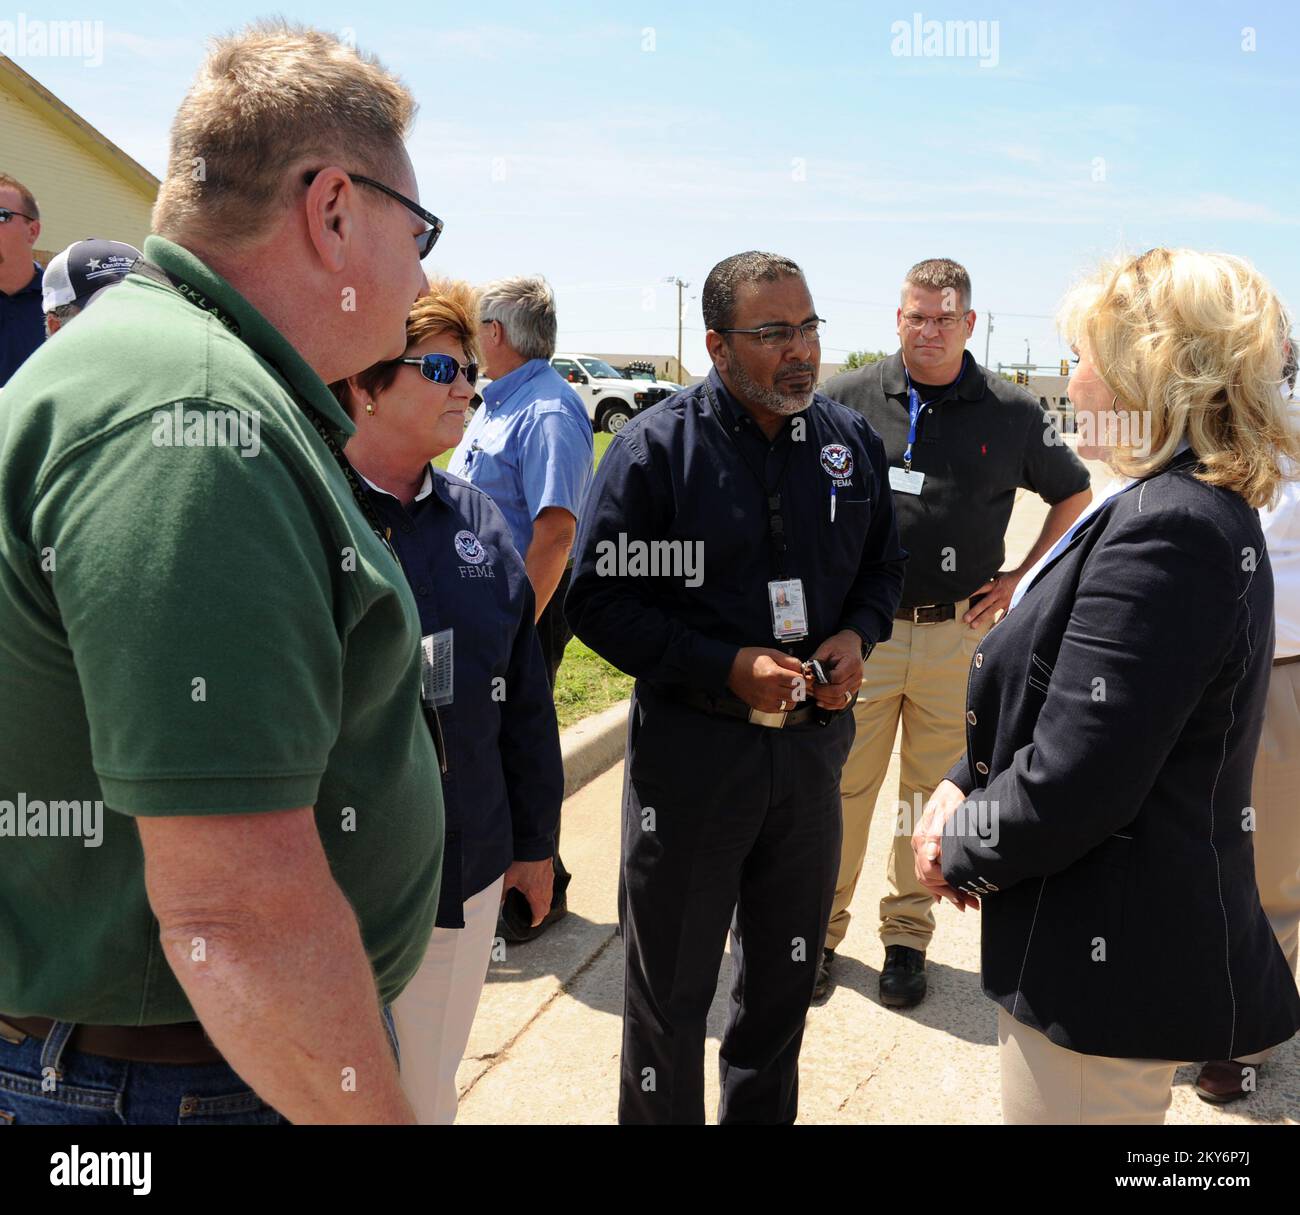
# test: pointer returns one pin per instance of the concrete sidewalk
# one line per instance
(545, 1046)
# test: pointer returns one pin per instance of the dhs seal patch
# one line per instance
(469, 549)
(837, 463)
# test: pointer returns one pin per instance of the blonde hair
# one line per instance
(451, 307)
(272, 97)
(1197, 341)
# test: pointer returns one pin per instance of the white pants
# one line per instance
(1046, 1083)
(436, 1011)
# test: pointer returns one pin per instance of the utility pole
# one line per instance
(1026, 356)
(988, 330)
(681, 286)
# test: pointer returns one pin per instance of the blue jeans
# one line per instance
(45, 1083)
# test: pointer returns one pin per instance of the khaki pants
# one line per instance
(435, 1014)
(1277, 815)
(1044, 1083)
(918, 676)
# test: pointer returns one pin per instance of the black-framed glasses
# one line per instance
(6, 215)
(442, 368)
(425, 240)
(783, 335)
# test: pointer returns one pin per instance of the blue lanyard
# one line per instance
(913, 412)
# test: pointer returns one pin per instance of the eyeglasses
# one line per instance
(425, 240)
(442, 368)
(782, 335)
(948, 322)
(6, 215)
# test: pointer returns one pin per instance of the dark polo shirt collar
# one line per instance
(209, 291)
(970, 384)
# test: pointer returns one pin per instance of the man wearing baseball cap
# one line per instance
(78, 274)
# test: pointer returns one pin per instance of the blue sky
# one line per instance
(610, 145)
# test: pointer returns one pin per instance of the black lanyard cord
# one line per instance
(772, 495)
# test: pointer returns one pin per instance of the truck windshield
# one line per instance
(600, 369)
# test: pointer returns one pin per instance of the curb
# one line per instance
(593, 745)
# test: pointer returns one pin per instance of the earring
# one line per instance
(370, 408)
(1112, 403)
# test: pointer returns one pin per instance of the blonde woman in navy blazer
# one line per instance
(1101, 817)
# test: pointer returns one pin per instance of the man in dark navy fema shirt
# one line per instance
(22, 325)
(734, 532)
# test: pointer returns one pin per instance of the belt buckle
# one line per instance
(8, 1032)
(773, 721)
(916, 620)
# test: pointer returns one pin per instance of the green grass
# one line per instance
(587, 684)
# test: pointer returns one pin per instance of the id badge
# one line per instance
(789, 612)
(905, 481)
(436, 668)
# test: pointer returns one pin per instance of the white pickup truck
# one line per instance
(611, 398)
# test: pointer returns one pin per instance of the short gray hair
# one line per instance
(525, 306)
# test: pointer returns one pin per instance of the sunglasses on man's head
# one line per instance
(442, 368)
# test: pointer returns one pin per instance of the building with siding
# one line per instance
(84, 184)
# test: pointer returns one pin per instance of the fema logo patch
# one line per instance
(837, 463)
(469, 549)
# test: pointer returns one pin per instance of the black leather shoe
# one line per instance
(1224, 1080)
(902, 980)
(822, 988)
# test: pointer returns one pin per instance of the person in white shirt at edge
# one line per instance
(1275, 791)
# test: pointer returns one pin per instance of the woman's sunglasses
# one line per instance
(442, 368)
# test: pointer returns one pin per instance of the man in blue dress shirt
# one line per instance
(530, 447)
(735, 532)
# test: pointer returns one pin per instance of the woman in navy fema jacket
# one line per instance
(503, 780)
(1101, 816)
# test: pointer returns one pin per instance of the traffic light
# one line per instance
(1022, 377)
(1065, 368)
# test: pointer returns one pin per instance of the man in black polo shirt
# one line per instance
(734, 532)
(960, 441)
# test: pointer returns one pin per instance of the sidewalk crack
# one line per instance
(562, 989)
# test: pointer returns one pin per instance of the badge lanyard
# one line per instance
(913, 413)
(775, 515)
(785, 595)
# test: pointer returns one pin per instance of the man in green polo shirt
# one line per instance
(219, 796)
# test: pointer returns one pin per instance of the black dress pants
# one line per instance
(726, 826)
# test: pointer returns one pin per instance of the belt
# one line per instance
(725, 706)
(1281, 662)
(184, 1042)
(928, 613)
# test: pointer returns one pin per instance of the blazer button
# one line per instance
(982, 768)
(979, 659)
(970, 716)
